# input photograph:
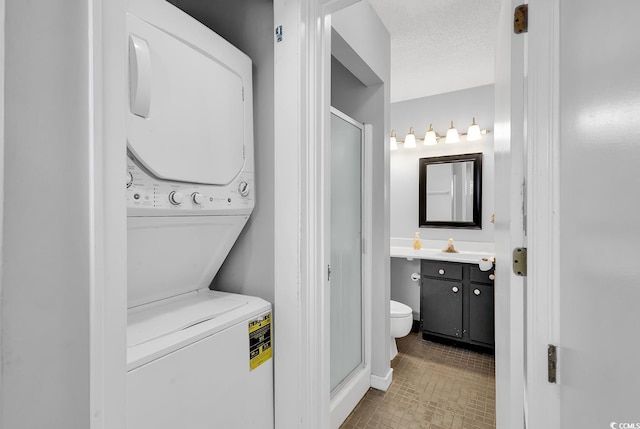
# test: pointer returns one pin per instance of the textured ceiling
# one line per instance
(439, 46)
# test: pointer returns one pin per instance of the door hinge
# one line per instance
(520, 261)
(521, 19)
(552, 363)
(328, 273)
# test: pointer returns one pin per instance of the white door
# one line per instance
(585, 87)
(509, 231)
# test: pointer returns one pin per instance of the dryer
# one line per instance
(195, 358)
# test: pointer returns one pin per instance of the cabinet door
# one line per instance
(442, 307)
(481, 325)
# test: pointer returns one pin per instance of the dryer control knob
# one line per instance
(197, 198)
(243, 188)
(176, 198)
(129, 179)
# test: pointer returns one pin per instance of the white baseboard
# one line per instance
(382, 383)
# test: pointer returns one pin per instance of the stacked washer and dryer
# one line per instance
(196, 358)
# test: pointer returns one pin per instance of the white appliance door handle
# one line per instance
(139, 76)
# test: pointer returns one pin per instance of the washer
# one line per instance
(199, 362)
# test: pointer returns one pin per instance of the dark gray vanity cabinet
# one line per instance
(457, 302)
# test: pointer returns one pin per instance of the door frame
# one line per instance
(2, 83)
(540, 400)
(108, 309)
(542, 406)
(302, 89)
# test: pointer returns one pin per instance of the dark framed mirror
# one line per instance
(451, 191)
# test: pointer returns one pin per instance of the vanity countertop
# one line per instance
(472, 257)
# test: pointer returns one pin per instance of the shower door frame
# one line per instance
(348, 392)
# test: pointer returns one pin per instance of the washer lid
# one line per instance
(163, 327)
(174, 315)
(397, 309)
(186, 118)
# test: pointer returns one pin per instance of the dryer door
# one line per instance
(184, 101)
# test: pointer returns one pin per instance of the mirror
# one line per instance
(451, 191)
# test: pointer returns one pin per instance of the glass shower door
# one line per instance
(346, 327)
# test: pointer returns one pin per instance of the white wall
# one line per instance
(460, 107)
(248, 25)
(45, 293)
(63, 303)
(369, 103)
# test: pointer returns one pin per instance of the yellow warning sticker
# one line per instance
(260, 349)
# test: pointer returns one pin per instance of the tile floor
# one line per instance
(435, 386)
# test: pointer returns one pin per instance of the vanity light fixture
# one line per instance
(431, 137)
(474, 133)
(452, 135)
(393, 143)
(410, 139)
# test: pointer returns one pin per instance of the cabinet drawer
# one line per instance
(445, 270)
(479, 276)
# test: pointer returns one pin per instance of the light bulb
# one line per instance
(430, 138)
(393, 143)
(410, 139)
(452, 135)
(473, 133)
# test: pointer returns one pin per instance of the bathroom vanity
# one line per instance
(456, 302)
(454, 296)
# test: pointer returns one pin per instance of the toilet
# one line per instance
(401, 318)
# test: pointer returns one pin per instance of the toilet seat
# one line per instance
(398, 309)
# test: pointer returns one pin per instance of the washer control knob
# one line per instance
(176, 198)
(129, 179)
(197, 198)
(243, 188)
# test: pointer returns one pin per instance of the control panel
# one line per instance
(150, 196)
